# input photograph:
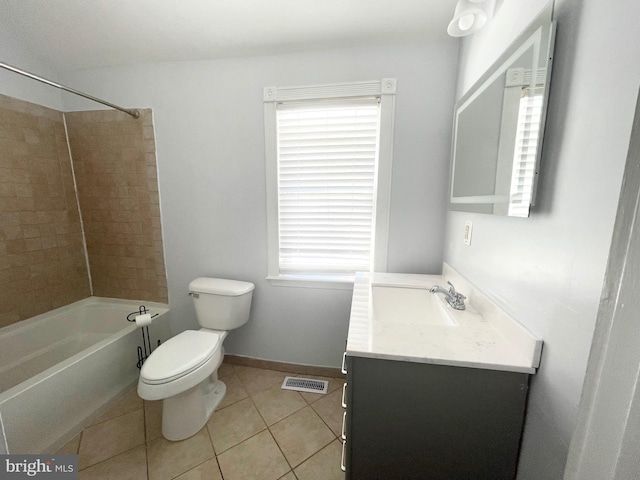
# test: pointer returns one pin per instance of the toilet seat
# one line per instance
(181, 363)
(180, 356)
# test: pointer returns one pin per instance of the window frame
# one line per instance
(385, 89)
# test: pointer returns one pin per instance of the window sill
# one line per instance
(335, 282)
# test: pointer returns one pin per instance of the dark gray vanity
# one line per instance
(432, 392)
(408, 420)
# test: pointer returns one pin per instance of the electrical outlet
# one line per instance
(467, 232)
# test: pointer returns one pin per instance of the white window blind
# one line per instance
(526, 150)
(327, 154)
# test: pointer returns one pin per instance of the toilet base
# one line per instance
(185, 414)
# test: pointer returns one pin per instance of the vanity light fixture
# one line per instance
(469, 17)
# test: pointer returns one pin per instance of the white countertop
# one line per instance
(483, 336)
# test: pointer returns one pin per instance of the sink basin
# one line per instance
(408, 305)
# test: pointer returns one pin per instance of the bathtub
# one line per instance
(61, 368)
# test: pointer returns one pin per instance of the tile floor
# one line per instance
(259, 432)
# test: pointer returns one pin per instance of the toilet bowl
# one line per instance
(182, 372)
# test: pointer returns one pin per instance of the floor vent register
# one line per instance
(305, 385)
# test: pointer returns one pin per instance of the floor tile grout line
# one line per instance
(79, 442)
(146, 455)
(281, 451)
(307, 458)
(112, 457)
(279, 420)
(113, 402)
(267, 427)
(251, 395)
(213, 448)
(324, 446)
(239, 400)
(215, 456)
(258, 410)
(112, 418)
(248, 438)
(219, 468)
(289, 415)
(196, 466)
(328, 426)
(289, 472)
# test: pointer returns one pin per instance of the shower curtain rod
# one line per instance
(133, 113)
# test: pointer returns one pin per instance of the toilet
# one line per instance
(182, 372)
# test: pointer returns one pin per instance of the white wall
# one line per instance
(210, 147)
(547, 271)
(18, 86)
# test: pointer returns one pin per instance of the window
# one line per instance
(328, 153)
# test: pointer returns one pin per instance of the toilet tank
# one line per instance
(221, 304)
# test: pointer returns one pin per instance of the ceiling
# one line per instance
(79, 34)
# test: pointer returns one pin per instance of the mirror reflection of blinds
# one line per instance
(526, 149)
(327, 160)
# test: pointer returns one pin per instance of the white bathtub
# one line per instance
(59, 368)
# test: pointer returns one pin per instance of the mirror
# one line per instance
(499, 125)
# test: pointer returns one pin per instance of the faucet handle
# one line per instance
(452, 290)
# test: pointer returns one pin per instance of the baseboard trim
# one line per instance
(283, 366)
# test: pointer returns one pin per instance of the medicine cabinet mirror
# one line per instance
(499, 125)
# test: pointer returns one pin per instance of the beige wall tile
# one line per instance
(33, 163)
(114, 163)
(115, 181)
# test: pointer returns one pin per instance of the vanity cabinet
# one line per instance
(409, 420)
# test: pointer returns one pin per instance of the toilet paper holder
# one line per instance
(145, 350)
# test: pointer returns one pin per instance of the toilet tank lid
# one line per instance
(220, 286)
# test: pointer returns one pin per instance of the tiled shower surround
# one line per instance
(42, 261)
(42, 258)
(114, 162)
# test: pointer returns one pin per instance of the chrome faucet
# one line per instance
(455, 299)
